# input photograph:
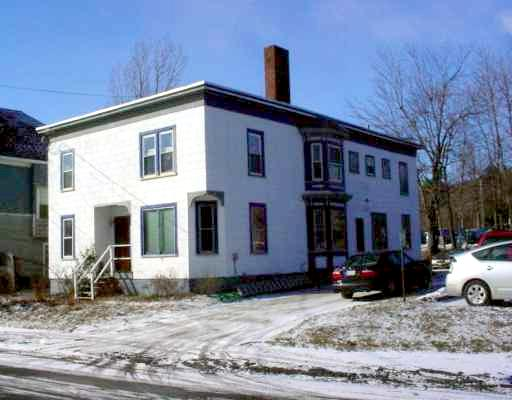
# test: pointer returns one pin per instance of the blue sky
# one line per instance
(72, 46)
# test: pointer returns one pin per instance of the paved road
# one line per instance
(25, 383)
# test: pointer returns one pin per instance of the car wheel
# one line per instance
(477, 293)
(426, 282)
(347, 294)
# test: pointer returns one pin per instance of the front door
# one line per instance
(122, 236)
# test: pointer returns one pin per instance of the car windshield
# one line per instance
(367, 260)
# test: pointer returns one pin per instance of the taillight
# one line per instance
(367, 274)
(337, 275)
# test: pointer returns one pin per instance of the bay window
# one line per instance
(317, 163)
(335, 163)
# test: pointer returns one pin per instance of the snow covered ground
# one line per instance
(205, 345)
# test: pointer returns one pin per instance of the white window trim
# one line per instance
(72, 237)
(174, 231)
(338, 164)
(72, 170)
(313, 178)
(156, 136)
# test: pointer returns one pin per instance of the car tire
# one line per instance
(477, 293)
(426, 282)
(347, 294)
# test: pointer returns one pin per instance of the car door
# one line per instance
(497, 270)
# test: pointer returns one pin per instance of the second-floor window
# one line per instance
(353, 162)
(255, 153)
(403, 175)
(317, 164)
(370, 165)
(386, 169)
(158, 153)
(67, 168)
(335, 164)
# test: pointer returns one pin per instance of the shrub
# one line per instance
(208, 285)
(40, 288)
(165, 286)
(6, 283)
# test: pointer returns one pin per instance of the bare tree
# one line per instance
(422, 95)
(153, 67)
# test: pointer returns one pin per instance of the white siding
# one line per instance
(281, 190)
(375, 194)
(107, 172)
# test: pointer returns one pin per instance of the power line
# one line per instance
(53, 91)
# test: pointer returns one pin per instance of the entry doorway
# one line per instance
(122, 237)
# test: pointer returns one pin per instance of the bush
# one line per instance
(40, 287)
(6, 283)
(165, 286)
(208, 285)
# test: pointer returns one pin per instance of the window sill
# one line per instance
(404, 194)
(256, 175)
(67, 190)
(150, 177)
(159, 255)
(68, 259)
(207, 254)
(259, 253)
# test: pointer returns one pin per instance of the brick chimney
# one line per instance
(277, 74)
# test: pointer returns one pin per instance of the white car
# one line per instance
(482, 274)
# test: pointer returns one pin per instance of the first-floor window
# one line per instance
(206, 217)
(68, 236)
(379, 231)
(258, 221)
(338, 229)
(406, 239)
(159, 230)
(319, 234)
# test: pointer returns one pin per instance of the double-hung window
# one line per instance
(319, 229)
(159, 230)
(317, 163)
(406, 238)
(386, 168)
(403, 175)
(68, 236)
(67, 168)
(255, 153)
(335, 163)
(258, 223)
(207, 235)
(158, 153)
(379, 231)
(353, 162)
(370, 165)
(42, 202)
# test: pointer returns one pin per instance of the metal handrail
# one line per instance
(79, 273)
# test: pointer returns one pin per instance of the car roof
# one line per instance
(487, 246)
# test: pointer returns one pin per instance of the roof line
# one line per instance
(218, 88)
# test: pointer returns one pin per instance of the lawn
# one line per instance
(415, 325)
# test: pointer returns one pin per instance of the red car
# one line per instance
(381, 272)
(493, 237)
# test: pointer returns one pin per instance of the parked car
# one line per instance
(482, 274)
(493, 237)
(380, 271)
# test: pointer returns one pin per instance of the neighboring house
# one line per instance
(24, 196)
(206, 181)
